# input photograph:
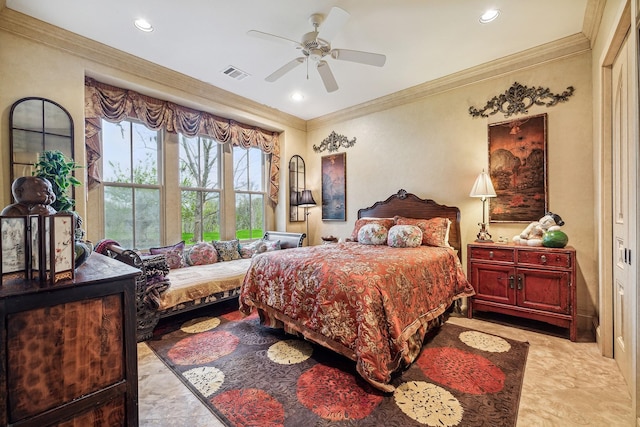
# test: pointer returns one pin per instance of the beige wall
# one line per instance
(45, 68)
(430, 146)
(435, 149)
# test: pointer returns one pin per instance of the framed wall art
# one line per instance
(518, 169)
(334, 187)
(13, 256)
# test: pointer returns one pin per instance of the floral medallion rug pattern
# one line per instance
(250, 375)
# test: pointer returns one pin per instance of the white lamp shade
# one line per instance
(483, 186)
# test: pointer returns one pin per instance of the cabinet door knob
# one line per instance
(543, 258)
(519, 282)
(511, 280)
(490, 254)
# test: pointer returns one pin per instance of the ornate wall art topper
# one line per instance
(333, 142)
(518, 99)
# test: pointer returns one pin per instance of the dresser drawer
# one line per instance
(492, 254)
(545, 259)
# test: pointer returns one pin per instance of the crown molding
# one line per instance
(58, 38)
(50, 35)
(592, 19)
(559, 49)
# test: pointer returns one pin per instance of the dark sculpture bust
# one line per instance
(33, 196)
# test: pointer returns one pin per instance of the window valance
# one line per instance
(103, 101)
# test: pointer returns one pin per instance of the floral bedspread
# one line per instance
(372, 303)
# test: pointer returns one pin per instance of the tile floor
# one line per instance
(565, 384)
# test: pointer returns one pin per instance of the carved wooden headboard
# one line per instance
(411, 206)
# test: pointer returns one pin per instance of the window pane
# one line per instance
(189, 162)
(199, 163)
(210, 163)
(240, 169)
(189, 209)
(255, 170)
(118, 215)
(116, 151)
(257, 216)
(147, 214)
(243, 216)
(200, 216)
(145, 154)
(211, 217)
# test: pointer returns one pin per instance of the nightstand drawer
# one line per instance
(492, 254)
(545, 259)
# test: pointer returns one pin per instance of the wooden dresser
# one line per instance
(69, 355)
(530, 282)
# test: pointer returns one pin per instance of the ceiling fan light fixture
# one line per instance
(489, 16)
(143, 25)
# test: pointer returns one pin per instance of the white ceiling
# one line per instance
(422, 40)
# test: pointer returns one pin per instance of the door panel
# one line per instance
(544, 290)
(622, 165)
(494, 283)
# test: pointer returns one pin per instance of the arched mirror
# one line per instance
(37, 125)
(297, 176)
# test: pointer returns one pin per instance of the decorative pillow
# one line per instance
(435, 231)
(253, 248)
(200, 254)
(272, 245)
(385, 222)
(373, 234)
(404, 236)
(228, 250)
(174, 254)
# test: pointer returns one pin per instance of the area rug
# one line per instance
(250, 375)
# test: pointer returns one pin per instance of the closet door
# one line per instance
(624, 170)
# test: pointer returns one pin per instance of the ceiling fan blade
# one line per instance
(333, 23)
(367, 58)
(284, 69)
(327, 76)
(273, 38)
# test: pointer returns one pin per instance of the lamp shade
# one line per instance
(483, 186)
(306, 199)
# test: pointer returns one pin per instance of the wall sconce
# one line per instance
(305, 200)
(37, 247)
(483, 188)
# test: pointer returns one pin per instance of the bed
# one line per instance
(372, 303)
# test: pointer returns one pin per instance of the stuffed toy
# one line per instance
(532, 235)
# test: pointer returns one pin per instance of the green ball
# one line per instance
(555, 239)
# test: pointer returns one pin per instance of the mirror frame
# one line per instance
(39, 135)
(297, 184)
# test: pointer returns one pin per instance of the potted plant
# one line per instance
(58, 169)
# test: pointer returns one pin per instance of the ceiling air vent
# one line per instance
(235, 73)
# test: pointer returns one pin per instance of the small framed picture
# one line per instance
(13, 256)
(61, 247)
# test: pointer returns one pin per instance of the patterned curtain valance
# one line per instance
(103, 101)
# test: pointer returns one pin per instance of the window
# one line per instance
(200, 178)
(131, 178)
(249, 186)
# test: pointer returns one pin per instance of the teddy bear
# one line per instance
(532, 235)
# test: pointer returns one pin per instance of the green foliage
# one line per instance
(58, 169)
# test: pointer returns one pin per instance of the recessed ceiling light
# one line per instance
(297, 96)
(489, 15)
(143, 25)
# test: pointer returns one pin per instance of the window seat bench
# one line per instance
(161, 292)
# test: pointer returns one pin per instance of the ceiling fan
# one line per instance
(316, 45)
